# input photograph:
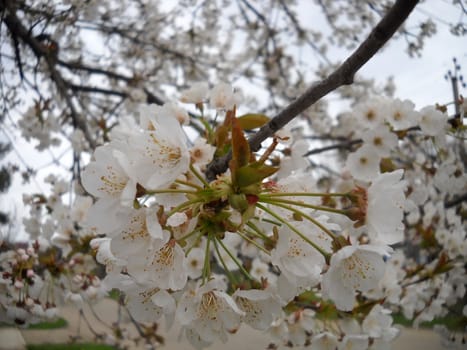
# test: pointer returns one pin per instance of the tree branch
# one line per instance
(94, 70)
(456, 201)
(345, 145)
(17, 29)
(95, 89)
(343, 75)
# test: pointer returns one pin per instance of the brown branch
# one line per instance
(456, 201)
(95, 89)
(343, 75)
(150, 97)
(94, 70)
(345, 145)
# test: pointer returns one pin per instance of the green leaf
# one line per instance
(252, 120)
(253, 173)
(240, 146)
(240, 150)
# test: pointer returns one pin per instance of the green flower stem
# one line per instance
(188, 235)
(183, 206)
(198, 175)
(301, 204)
(269, 221)
(189, 184)
(301, 194)
(309, 218)
(326, 255)
(207, 263)
(258, 232)
(249, 240)
(240, 266)
(171, 190)
(230, 276)
(195, 241)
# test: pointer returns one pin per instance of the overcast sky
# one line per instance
(422, 79)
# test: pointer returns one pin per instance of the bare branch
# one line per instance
(19, 30)
(79, 66)
(456, 201)
(345, 145)
(95, 89)
(343, 75)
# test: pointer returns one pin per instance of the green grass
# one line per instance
(69, 347)
(452, 322)
(58, 323)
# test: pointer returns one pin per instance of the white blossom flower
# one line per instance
(61, 240)
(222, 96)
(194, 262)
(377, 324)
(433, 122)
(201, 152)
(368, 114)
(171, 108)
(259, 306)
(298, 261)
(162, 263)
(146, 302)
(300, 324)
(353, 268)
(106, 179)
(295, 160)
(401, 114)
(158, 155)
(132, 238)
(42, 125)
(389, 287)
(197, 93)
(149, 304)
(381, 139)
(260, 270)
(209, 312)
(385, 208)
(363, 164)
(354, 342)
(324, 341)
(80, 208)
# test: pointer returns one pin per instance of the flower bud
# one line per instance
(238, 201)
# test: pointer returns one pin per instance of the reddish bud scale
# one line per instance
(270, 185)
(252, 199)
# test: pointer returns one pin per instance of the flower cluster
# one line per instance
(55, 267)
(248, 247)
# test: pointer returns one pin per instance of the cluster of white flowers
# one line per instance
(262, 244)
(55, 267)
(315, 254)
(377, 122)
(424, 283)
(244, 247)
(38, 123)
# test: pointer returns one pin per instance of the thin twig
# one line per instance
(17, 29)
(344, 145)
(455, 201)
